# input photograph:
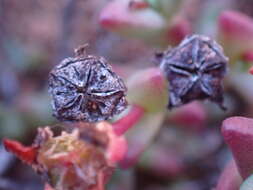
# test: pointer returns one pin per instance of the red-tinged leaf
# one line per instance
(118, 15)
(138, 140)
(248, 56)
(148, 89)
(25, 153)
(129, 120)
(178, 30)
(136, 5)
(133, 20)
(192, 116)
(230, 178)
(238, 134)
(251, 70)
(163, 161)
(117, 146)
(117, 149)
(235, 33)
(236, 24)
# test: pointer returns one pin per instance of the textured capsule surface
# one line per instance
(195, 70)
(85, 88)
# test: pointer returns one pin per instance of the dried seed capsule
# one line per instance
(195, 70)
(85, 88)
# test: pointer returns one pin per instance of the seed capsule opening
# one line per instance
(195, 70)
(85, 88)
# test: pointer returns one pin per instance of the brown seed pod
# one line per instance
(85, 88)
(195, 70)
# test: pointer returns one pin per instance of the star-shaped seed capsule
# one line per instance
(85, 88)
(195, 70)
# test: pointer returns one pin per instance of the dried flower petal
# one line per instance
(84, 157)
(69, 162)
(85, 88)
(195, 70)
(81, 159)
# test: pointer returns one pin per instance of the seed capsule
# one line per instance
(195, 70)
(85, 88)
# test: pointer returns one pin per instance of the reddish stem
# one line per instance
(129, 120)
(25, 153)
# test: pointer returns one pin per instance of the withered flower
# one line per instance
(83, 158)
(195, 70)
(85, 88)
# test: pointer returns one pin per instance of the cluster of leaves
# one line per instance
(235, 34)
